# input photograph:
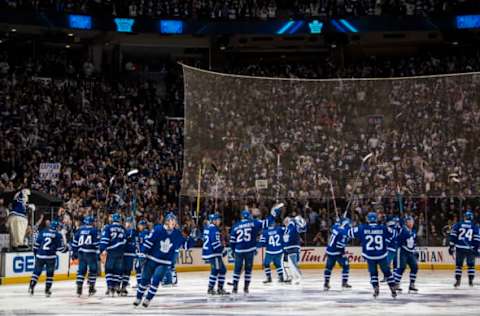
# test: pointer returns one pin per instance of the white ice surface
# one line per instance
(436, 297)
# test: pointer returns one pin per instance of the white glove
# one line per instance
(275, 209)
(32, 207)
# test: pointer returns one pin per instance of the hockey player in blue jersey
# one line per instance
(272, 241)
(85, 247)
(113, 242)
(159, 248)
(213, 251)
(407, 254)
(48, 242)
(336, 252)
(243, 242)
(129, 254)
(171, 277)
(142, 233)
(464, 243)
(291, 244)
(374, 239)
(394, 225)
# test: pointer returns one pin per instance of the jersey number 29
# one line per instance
(374, 242)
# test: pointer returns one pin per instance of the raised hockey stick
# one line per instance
(364, 160)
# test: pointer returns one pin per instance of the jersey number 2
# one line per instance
(46, 245)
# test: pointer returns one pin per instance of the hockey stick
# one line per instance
(133, 201)
(455, 179)
(214, 168)
(332, 192)
(69, 263)
(364, 159)
(400, 200)
(199, 187)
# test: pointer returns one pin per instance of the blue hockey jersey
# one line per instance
(373, 238)
(113, 238)
(140, 238)
(212, 244)
(392, 243)
(407, 239)
(160, 245)
(291, 238)
(131, 243)
(47, 244)
(465, 235)
(338, 240)
(272, 240)
(86, 240)
(243, 235)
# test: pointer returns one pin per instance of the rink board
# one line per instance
(18, 267)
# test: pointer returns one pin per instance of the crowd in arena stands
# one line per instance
(416, 165)
(97, 130)
(56, 111)
(248, 9)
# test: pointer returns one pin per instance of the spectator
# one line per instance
(17, 220)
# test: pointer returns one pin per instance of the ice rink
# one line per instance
(436, 297)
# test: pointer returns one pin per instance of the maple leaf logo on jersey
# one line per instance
(165, 245)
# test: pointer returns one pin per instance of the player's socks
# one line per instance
(79, 290)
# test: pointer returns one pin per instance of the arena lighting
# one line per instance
(338, 27)
(349, 26)
(81, 22)
(171, 26)
(124, 25)
(285, 27)
(467, 21)
(315, 27)
(295, 27)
